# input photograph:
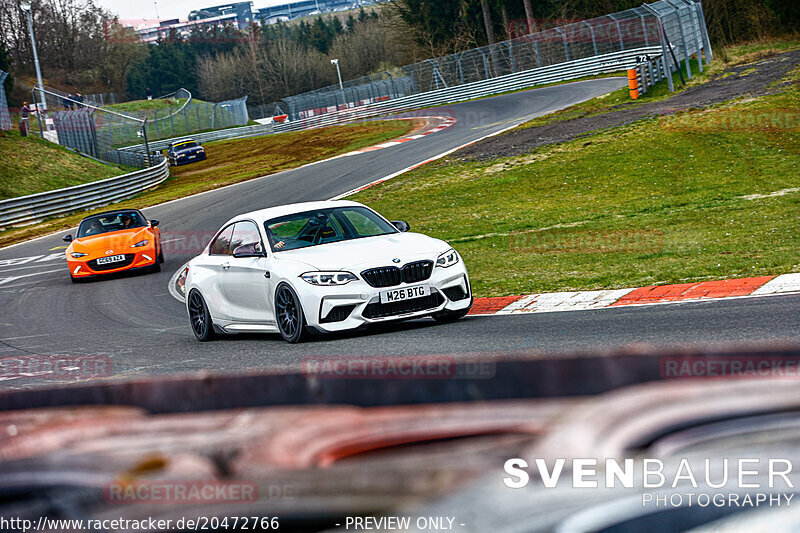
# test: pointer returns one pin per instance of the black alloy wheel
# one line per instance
(289, 314)
(200, 318)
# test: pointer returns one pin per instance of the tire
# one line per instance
(160, 254)
(156, 267)
(200, 318)
(289, 314)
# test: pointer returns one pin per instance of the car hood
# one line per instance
(368, 252)
(116, 241)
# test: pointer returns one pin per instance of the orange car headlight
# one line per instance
(140, 244)
(76, 255)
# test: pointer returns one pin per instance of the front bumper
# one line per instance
(84, 267)
(331, 309)
(185, 160)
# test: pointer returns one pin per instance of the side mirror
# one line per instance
(252, 249)
(154, 223)
(67, 238)
(401, 225)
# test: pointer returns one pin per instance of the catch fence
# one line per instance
(5, 115)
(676, 27)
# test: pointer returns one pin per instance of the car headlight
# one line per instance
(328, 278)
(140, 244)
(76, 255)
(447, 259)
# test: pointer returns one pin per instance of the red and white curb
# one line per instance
(444, 123)
(658, 294)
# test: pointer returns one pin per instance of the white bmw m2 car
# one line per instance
(326, 266)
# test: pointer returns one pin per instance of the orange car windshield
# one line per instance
(109, 222)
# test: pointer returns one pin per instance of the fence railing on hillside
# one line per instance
(36, 207)
(676, 26)
(189, 118)
(5, 115)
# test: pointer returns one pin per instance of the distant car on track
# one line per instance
(185, 151)
(327, 266)
(112, 242)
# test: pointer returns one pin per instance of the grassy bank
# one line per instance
(228, 162)
(31, 165)
(695, 196)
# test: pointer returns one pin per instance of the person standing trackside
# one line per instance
(24, 115)
(79, 99)
(149, 94)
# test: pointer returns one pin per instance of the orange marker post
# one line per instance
(633, 83)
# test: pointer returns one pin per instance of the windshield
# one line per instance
(324, 226)
(109, 222)
(185, 145)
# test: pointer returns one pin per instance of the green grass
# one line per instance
(672, 189)
(724, 57)
(147, 105)
(228, 162)
(31, 165)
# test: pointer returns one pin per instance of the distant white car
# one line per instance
(328, 266)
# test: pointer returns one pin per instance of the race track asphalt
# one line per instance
(143, 330)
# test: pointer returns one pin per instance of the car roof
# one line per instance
(175, 143)
(121, 209)
(289, 209)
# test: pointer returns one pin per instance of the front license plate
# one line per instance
(110, 259)
(406, 293)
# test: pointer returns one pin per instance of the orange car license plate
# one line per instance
(111, 259)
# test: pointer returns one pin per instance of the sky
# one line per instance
(167, 9)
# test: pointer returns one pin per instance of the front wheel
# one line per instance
(289, 314)
(200, 318)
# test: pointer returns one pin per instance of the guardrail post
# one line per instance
(538, 56)
(460, 68)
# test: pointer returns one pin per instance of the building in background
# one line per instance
(242, 10)
(152, 31)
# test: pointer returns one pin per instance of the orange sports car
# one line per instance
(112, 242)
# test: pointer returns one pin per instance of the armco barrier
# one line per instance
(208, 136)
(569, 70)
(36, 207)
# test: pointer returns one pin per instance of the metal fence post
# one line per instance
(511, 56)
(538, 55)
(485, 64)
(594, 40)
(702, 20)
(683, 39)
(696, 31)
(664, 52)
(564, 38)
(619, 32)
(644, 31)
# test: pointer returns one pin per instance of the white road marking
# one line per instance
(3, 281)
